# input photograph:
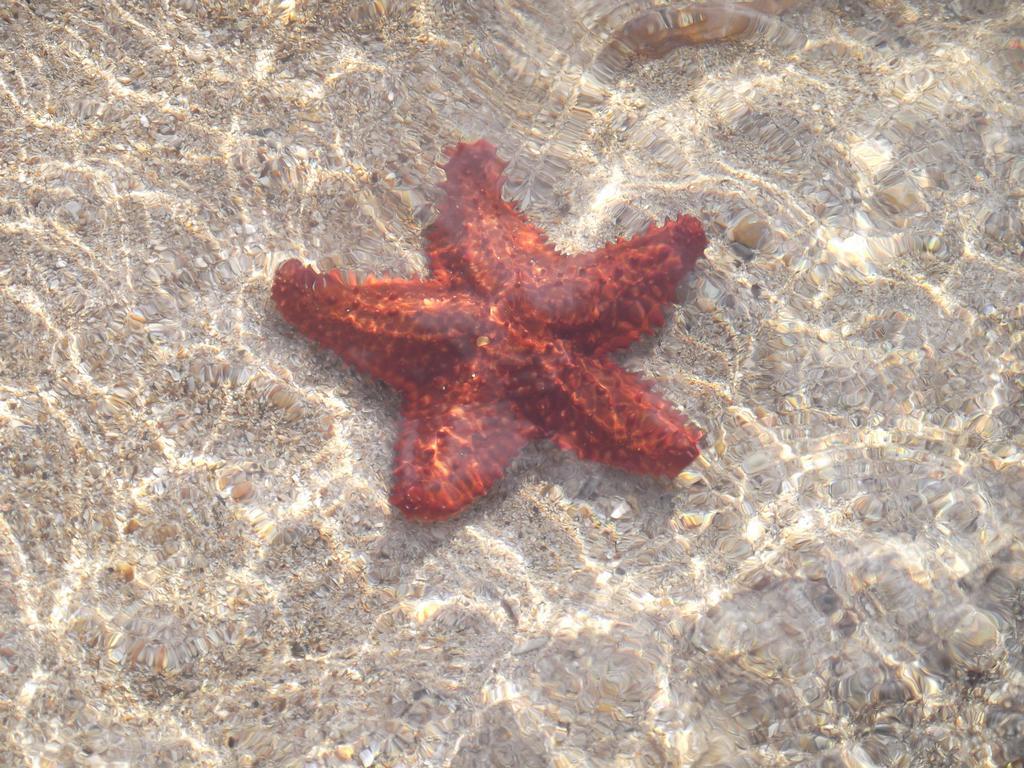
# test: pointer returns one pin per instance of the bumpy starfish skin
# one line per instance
(509, 341)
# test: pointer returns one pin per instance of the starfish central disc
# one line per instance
(506, 342)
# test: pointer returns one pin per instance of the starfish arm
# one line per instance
(477, 237)
(604, 413)
(401, 331)
(451, 450)
(606, 299)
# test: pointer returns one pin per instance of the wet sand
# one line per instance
(198, 562)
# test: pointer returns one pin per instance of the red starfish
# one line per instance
(507, 342)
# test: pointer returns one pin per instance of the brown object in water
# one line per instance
(655, 33)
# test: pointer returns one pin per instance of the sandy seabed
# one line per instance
(198, 563)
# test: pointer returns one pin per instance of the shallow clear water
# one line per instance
(198, 563)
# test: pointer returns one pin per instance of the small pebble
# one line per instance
(749, 230)
(902, 196)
